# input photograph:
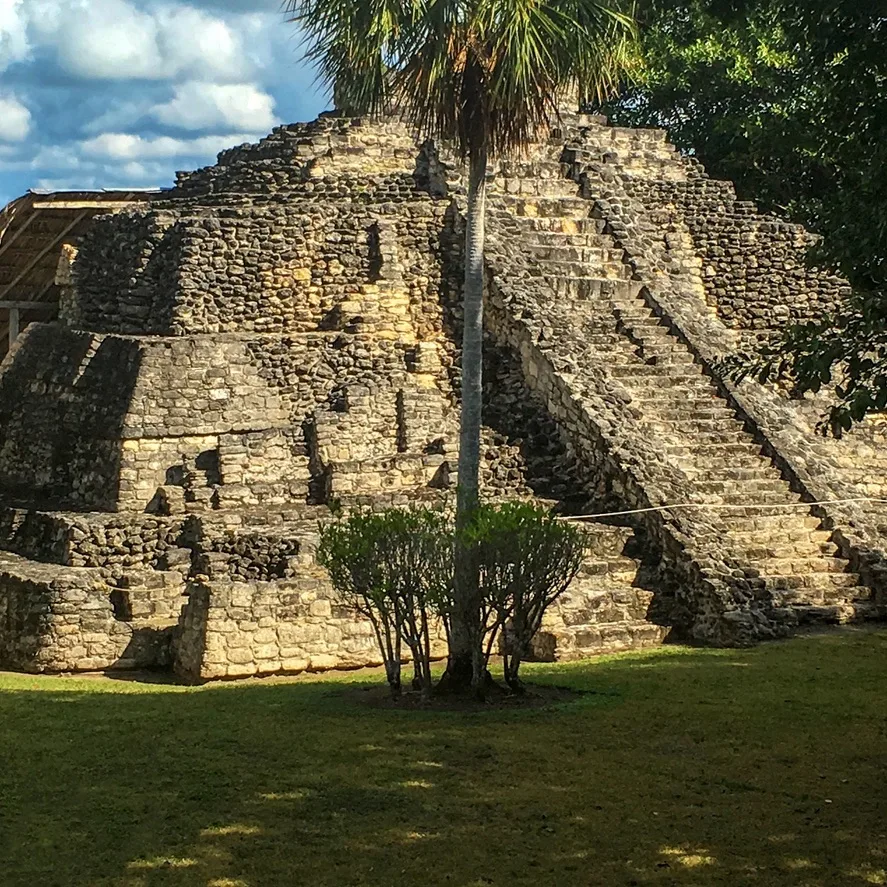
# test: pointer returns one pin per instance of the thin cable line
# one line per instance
(722, 506)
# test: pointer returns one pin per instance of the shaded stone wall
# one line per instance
(89, 540)
(126, 275)
(64, 397)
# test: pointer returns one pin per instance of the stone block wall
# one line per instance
(55, 618)
(238, 629)
(264, 269)
(286, 342)
(112, 542)
(754, 266)
(330, 157)
(283, 624)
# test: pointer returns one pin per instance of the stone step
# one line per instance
(711, 429)
(755, 520)
(712, 463)
(765, 549)
(570, 269)
(605, 637)
(582, 239)
(568, 256)
(654, 371)
(541, 183)
(663, 341)
(654, 337)
(767, 482)
(671, 357)
(670, 390)
(730, 473)
(666, 393)
(593, 288)
(655, 332)
(773, 566)
(730, 490)
(623, 566)
(777, 537)
(822, 581)
(704, 437)
(725, 451)
(548, 207)
(835, 613)
(654, 345)
(625, 151)
(645, 324)
(692, 409)
(534, 226)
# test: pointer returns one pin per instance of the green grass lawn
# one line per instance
(681, 767)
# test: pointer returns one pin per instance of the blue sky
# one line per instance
(121, 93)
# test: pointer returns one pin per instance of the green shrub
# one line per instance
(527, 559)
(394, 567)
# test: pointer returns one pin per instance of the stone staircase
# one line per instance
(560, 274)
(609, 606)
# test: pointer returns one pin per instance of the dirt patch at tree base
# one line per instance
(498, 698)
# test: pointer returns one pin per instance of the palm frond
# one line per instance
(479, 73)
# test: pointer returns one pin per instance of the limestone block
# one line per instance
(322, 661)
(240, 655)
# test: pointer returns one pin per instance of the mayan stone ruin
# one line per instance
(277, 335)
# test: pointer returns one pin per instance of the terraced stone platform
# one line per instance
(277, 336)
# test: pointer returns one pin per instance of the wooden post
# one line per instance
(13, 325)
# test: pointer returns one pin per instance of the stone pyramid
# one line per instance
(278, 336)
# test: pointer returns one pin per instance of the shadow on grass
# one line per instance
(681, 767)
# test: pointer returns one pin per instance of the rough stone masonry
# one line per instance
(278, 335)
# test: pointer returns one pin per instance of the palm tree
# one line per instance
(488, 77)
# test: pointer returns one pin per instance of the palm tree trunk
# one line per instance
(465, 634)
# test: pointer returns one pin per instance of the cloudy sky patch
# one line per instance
(122, 93)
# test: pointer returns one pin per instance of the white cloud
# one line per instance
(14, 46)
(117, 39)
(58, 158)
(201, 105)
(15, 119)
(118, 115)
(123, 146)
(196, 42)
(108, 38)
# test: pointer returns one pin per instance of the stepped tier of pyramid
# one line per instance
(277, 337)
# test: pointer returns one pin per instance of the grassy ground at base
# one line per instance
(681, 767)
